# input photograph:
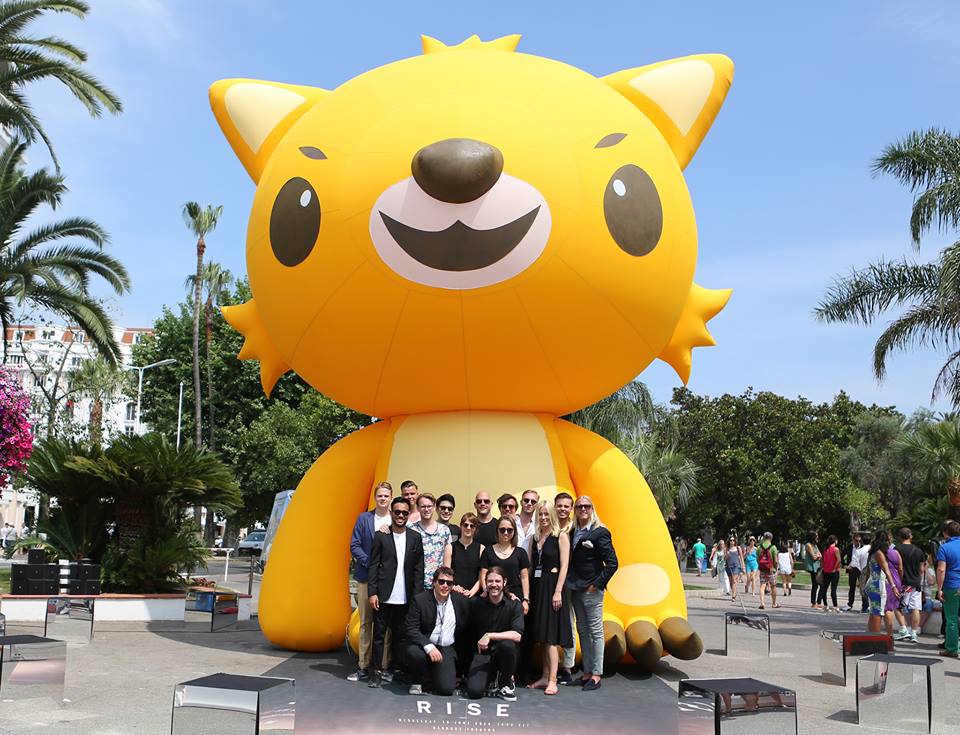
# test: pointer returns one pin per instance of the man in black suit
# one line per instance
(436, 621)
(396, 572)
(593, 562)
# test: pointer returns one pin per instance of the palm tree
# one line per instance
(929, 293)
(38, 268)
(200, 221)
(671, 476)
(102, 383)
(25, 59)
(619, 413)
(150, 481)
(216, 284)
(935, 448)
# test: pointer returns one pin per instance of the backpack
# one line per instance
(765, 558)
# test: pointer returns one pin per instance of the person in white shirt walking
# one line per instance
(859, 555)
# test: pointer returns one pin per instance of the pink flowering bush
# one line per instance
(16, 434)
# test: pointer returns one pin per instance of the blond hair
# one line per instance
(595, 521)
(554, 520)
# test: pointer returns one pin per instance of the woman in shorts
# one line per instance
(785, 562)
(751, 567)
(734, 565)
(880, 576)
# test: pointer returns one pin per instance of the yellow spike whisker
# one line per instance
(691, 331)
(504, 43)
(245, 318)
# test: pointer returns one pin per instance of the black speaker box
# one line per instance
(50, 587)
(36, 587)
(91, 587)
(76, 587)
(36, 572)
(18, 572)
(53, 572)
(20, 587)
(36, 556)
(89, 571)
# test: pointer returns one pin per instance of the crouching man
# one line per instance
(436, 620)
(497, 626)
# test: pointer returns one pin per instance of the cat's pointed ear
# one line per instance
(254, 115)
(681, 97)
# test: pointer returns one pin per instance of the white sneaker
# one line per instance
(415, 689)
(914, 636)
(901, 635)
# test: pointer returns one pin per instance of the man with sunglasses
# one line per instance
(396, 574)
(436, 622)
(526, 520)
(446, 504)
(486, 523)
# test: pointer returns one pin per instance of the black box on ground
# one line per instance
(36, 587)
(89, 571)
(20, 586)
(76, 587)
(36, 556)
(36, 572)
(53, 572)
(18, 572)
(91, 587)
(51, 587)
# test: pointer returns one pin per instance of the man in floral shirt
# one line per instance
(435, 537)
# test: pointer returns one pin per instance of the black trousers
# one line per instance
(501, 657)
(830, 581)
(853, 579)
(444, 674)
(392, 618)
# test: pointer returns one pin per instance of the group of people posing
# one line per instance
(447, 603)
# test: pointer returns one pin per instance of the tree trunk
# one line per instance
(96, 423)
(209, 319)
(197, 410)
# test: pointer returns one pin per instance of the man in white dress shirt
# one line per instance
(526, 520)
(435, 621)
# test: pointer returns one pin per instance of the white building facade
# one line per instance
(43, 357)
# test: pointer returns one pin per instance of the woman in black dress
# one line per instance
(511, 558)
(551, 616)
(463, 556)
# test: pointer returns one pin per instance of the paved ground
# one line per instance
(123, 682)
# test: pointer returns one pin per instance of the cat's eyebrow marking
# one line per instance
(610, 140)
(310, 152)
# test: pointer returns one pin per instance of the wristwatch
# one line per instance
(526, 599)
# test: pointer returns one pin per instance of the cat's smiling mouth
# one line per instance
(460, 246)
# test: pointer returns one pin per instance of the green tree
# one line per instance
(102, 383)
(216, 285)
(39, 269)
(935, 447)
(201, 221)
(672, 477)
(928, 294)
(26, 58)
(767, 462)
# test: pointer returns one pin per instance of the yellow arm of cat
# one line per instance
(303, 600)
(645, 595)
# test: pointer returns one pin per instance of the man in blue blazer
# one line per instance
(361, 543)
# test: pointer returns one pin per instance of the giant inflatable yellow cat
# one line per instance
(469, 244)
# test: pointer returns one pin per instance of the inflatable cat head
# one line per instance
(473, 228)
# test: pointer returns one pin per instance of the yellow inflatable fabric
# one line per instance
(469, 244)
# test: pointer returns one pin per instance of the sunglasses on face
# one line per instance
(584, 507)
(402, 513)
(481, 502)
(446, 508)
(443, 582)
(527, 501)
(467, 524)
(508, 506)
(505, 530)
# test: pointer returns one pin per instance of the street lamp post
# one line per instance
(161, 363)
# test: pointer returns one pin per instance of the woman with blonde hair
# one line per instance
(550, 618)
(593, 561)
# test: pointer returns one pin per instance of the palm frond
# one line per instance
(940, 204)
(921, 159)
(925, 325)
(862, 296)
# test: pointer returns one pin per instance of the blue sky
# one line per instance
(782, 185)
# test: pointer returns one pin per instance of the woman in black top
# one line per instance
(550, 619)
(463, 556)
(512, 558)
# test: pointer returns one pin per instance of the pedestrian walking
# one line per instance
(811, 563)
